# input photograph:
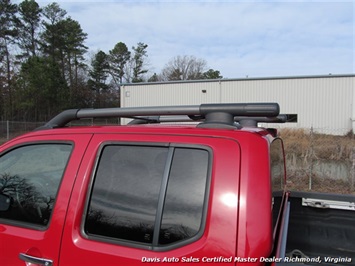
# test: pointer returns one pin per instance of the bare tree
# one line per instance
(184, 68)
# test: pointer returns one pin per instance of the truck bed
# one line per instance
(322, 231)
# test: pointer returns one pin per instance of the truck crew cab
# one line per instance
(210, 191)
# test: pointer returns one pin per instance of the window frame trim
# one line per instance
(151, 246)
(282, 191)
(162, 196)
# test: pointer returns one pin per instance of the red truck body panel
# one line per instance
(238, 224)
(38, 242)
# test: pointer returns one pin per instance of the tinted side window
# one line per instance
(152, 195)
(31, 175)
(125, 192)
(277, 175)
(182, 215)
(277, 165)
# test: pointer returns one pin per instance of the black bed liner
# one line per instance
(321, 231)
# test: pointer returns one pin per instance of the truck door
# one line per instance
(36, 179)
(149, 198)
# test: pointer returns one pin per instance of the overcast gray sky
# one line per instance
(239, 38)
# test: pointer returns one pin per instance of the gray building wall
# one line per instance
(324, 103)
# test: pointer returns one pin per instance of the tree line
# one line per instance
(45, 67)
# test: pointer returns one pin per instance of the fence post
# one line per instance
(311, 160)
(7, 129)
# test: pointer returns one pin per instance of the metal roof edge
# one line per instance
(239, 79)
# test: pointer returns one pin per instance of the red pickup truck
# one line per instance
(212, 191)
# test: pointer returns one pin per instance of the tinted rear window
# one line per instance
(152, 195)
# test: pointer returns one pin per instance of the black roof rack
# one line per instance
(210, 115)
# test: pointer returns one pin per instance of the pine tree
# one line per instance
(119, 56)
(98, 76)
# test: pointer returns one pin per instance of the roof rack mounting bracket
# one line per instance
(218, 120)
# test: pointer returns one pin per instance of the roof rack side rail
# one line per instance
(204, 110)
(242, 120)
(61, 119)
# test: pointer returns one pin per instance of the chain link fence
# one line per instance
(318, 161)
(11, 129)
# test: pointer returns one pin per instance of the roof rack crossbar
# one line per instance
(193, 111)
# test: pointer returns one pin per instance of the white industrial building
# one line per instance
(324, 103)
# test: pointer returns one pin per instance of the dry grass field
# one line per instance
(319, 162)
(318, 146)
